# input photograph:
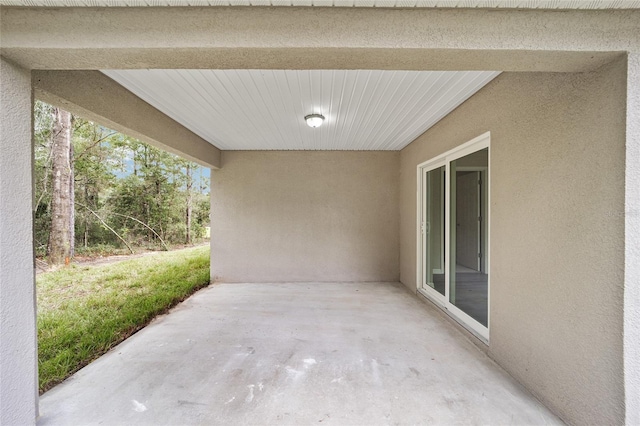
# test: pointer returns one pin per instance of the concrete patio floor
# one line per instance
(295, 353)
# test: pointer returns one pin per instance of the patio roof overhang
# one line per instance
(288, 38)
(499, 4)
(363, 110)
(94, 96)
(325, 38)
(184, 39)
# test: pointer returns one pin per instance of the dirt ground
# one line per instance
(42, 266)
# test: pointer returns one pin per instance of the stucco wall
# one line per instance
(315, 38)
(557, 231)
(632, 247)
(18, 357)
(305, 216)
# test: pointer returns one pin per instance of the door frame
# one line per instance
(440, 299)
(482, 209)
(476, 144)
(479, 207)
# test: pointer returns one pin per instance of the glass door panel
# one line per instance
(468, 278)
(433, 229)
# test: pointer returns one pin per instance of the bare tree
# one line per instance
(189, 201)
(72, 201)
(61, 237)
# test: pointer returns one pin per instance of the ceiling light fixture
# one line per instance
(314, 120)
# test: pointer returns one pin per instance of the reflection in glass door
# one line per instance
(454, 240)
(433, 229)
(468, 282)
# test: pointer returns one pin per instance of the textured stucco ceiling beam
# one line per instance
(310, 58)
(94, 96)
(346, 38)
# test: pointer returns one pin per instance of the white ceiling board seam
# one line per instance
(424, 97)
(435, 100)
(483, 81)
(438, 115)
(393, 95)
(227, 95)
(377, 106)
(388, 135)
(367, 112)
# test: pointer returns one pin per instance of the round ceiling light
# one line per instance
(314, 120)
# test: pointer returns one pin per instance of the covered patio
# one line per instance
(313, 229)
(295, 353)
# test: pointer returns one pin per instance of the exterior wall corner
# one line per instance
(18, 342)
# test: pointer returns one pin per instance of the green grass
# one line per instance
(83, 311)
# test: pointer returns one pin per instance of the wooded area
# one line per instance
(99, 191)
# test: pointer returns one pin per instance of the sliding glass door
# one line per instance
(433, 230)
(453, 233)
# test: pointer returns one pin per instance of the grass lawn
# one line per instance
(83, 311)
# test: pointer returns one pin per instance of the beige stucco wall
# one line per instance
(305, 216)
(18, 351)
(632, 248)
(315, 38)
(557, 231)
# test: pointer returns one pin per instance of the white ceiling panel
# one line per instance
(508, 4)
(265, 109)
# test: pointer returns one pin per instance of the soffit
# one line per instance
(504, 4)
(265, 109)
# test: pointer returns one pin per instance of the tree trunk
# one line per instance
(60, 243)
(189, 204)
(86, 218)
(86, 233)
(72, 201)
